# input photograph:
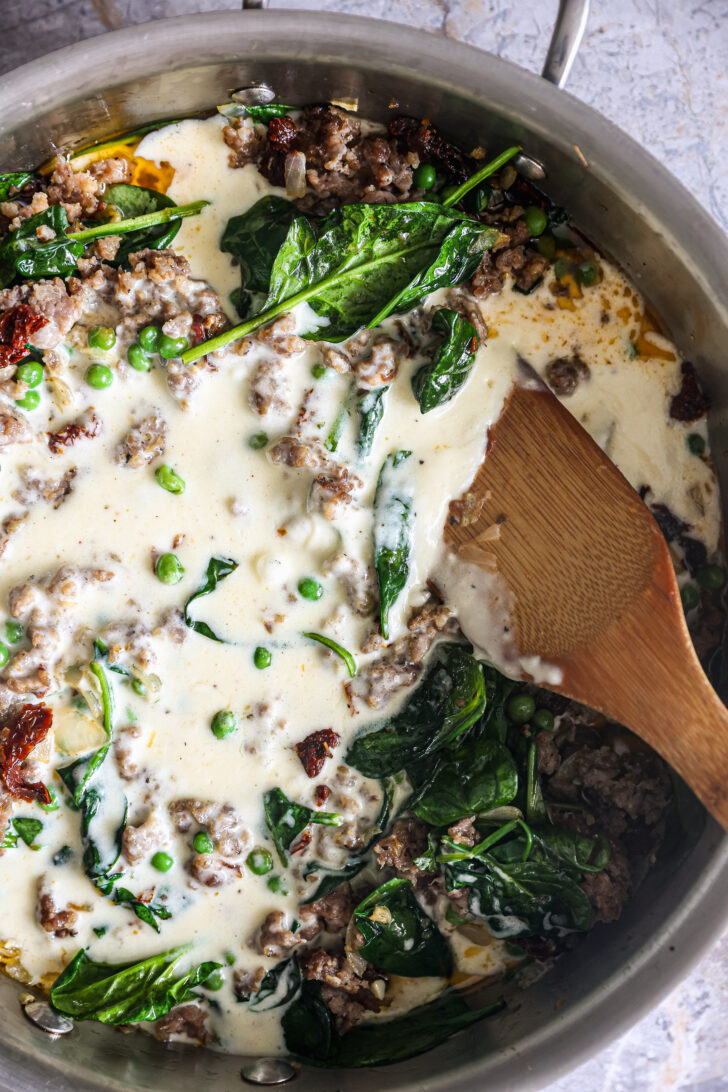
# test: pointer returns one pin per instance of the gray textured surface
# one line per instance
(658, 69)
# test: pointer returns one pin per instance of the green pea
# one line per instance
(309, 588)
(696, 443)
(99, 376)
(318, 371)
(102, 337)
(711, 577)
(216, 980)
(259, 861)
(29, 401)
(587, 273)
(690, 595)
(4, 654)
(547, 246)
(138, 359)
(149, 338)
(262, 657)
(258, 441)
(536, 221)
(170, 347)
(424, 177)
(520, 708)
(30, 372)
(169, 569)
(169, 479)
(202, 842)
(561, 268)
(447, 192)
(277, 885)
(162, 861)
(13, 632)
(230, 959)
(224, 723)
(139, 687)
(543, 720)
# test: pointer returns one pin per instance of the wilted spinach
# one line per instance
(371, 411)
(132, 201)
(218, 568)
(254, 239)
(286, 820)
(13, 180)
(521, 898)
(449, 699)
(536, 812)
(261, 114)
(399, 937)
(392, 533)
(148, 912)
(125, 993)
(436, 383)
(277, 987)
(476, 777)
(311, 1035)
(25, 829)
(23, 254)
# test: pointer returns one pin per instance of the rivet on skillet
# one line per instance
(268, 1071)
(258, 95)
(42, 1015)
(530, 167)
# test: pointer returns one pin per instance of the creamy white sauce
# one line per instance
(237, 504)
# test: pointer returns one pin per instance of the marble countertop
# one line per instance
(658, 69)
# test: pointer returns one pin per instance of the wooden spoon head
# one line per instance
(576, 545)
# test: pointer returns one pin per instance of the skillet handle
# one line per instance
(565, 41)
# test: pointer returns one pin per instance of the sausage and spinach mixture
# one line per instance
(257, 791)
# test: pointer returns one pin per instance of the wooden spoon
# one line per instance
(594, 587)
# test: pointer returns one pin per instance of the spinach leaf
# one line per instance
(260, 114)
(148, 912)
(125, 993)
(569, 852)
(436, 383)
(427, 861)
(254, 239)
(392, 533)
(13, 180)
(476, 777)
(310, 1033)
(521, 898)
(371, 411)
(278, 986)
(354, 261)
(131, 201)
(25, 829)
(28, 829)
(399, 937)
(286, 820)
(23, 254)
(218, 568)
(450, 698)
(362, 262)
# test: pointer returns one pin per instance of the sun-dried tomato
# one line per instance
(281, 132)
(88, 425)
(690, 402)
(17, 327)
(21, 729)
(322, 794)
(422, 138)
(315, 749)
(303, 841)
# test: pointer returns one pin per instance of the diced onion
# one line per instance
(294, 173)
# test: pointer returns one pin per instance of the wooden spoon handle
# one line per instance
(652, 680)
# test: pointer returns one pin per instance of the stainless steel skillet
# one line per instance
(639, 214)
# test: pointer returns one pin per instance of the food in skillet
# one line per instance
(257, 791)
